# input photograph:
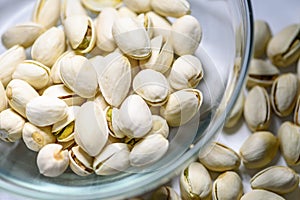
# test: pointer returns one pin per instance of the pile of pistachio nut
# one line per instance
(99, 93)
(269, 92)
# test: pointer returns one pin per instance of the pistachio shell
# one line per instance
(48, 46)
(165, 193)
(261, 195)
(55, 69)
(99, 100)
(22, 34)
(80, 162)
(138, 6)
(284, 94)
(46, 12)
(91, 131)
(262, 35)
(277, 179)
(236, 112)
(71, 8)
(112, 117)
(126, 12)
(160, 25)
(148, 150)
(171, 8)
(114, 158)
(159, 126)
(99, 5)
(9, 60)
(297, 112)
(182, 106)
(3, 98)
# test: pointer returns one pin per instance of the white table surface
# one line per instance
(278, 13)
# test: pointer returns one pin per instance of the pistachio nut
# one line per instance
(186, 72)
(81, 33)
(67, 145)
(257, 115)
(71, 8)
(47, 52)
(297, 112)
(55, 69)
(261, 73)
(262, 35)
(236, 112)
(165, 193)
(261, 195)
(99, 100)
(160, 25)
(34, 73)
(195, 182)
(37, 137)
(162, 56)
(9, 60)
(135, 118)
(104, 23)
(78, 74)
(99, 5)
(284, 47)
(259, 149)
(171, 8)
(126, 12)
(19, 93)
(186, 35)
(148, 150)
(138, 6)
(152, 86)
(44, 111)
(91, 131)
(112, 117)
(182, 106)
(279, 179)
(132, 38)
(227, 186)
(22, 34)
(115, 78)
(80, 162)
(46, 12)
(114, 158)
(284, 94)
(159, 126)
(52, 160)
(11, 125)
(218, 157)
(3, 98)
(146, 21)
(289, 137)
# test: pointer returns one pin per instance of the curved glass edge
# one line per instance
(150, 180)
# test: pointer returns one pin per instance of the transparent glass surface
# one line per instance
(224, 51)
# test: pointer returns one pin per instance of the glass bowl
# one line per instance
(225, 51)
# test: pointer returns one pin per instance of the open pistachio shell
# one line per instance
(138, 6)
(99, 5)
(55, 69)
(80, 162)
(297, 111)
(3, 98)
(99, 100)
(261, 195)
(160, 25)
(146, 21)
(165, 192)
(171, 8)
(71, 8)
(159, 126)
(46, 12)
(262, 35)
(112, 117)
(236, 112)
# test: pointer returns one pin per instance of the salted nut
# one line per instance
(261, 195)
(171, 8)
(80, 162)
(46, 12)
(165, 192)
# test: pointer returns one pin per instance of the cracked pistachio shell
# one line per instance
(132, 38)
(236, 112)
(159, 126)
(279, 179)
(11, 125)
(46, 12)
(160, 25)
(22, 34)
(195, 182)
(135, 118)
(9, 60)
(259, 149)
(227, 186)
(261, 73)
(99, 100)
(218, 157)
(91, 131)
(284, 47)
(55, 69)
(152, 86)
(52, 160)
(80, 162)
(112, 117)
(186, 72)
(165, 193)
(36, 137)
(146, 21)
(19, 93)
(171, 8)
(34, 73)
(104, 23)
(162, 56)
(3, 98)
(81, 33)
(138, 6)
(297, 112)
(126, 12)
(71, 8)
(289, 137)
(99, 5)
(284, 94)
(148, 150)
(257, 115)
(181, 106)
(48, 46)
(262, 35)
(186, 35)
(44, 111)
(114, 158)
(261, 195)
(78, 74)
(115, 78)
